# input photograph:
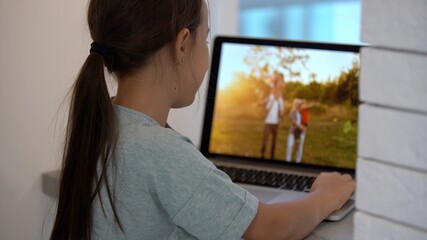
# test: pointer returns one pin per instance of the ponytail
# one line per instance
(90, 144)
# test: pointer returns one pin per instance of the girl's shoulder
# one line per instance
(141, 134)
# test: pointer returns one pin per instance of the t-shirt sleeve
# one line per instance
(201, 199)
(217, 209)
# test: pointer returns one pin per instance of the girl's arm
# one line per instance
(296, 219)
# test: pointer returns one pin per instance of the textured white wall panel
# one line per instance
(392, 168)
(393, 136)
(392, 192)
(398, 24)
(391, 78)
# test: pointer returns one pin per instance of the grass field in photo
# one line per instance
(327, 142)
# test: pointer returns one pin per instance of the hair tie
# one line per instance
(101, 49)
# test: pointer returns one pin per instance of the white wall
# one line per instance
(392, 167)
(42, 46)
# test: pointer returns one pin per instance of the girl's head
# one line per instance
(133, 30)
(191, 53)
(296, 104)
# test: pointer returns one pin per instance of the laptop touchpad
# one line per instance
(264, 195)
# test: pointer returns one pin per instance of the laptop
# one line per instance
(280, 112)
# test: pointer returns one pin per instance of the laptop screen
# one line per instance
(283, 101)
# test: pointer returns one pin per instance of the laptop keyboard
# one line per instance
(269, 179)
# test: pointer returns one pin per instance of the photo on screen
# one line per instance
(286, 104)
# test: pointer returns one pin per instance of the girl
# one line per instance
(296, 129)
(125, 174)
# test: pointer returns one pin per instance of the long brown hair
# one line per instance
(132, 31)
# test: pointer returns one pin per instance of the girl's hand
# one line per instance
(338, 187)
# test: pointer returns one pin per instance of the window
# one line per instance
(314, 20)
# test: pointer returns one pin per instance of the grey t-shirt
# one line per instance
(166, 189)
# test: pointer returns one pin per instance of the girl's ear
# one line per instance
(182, 45)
